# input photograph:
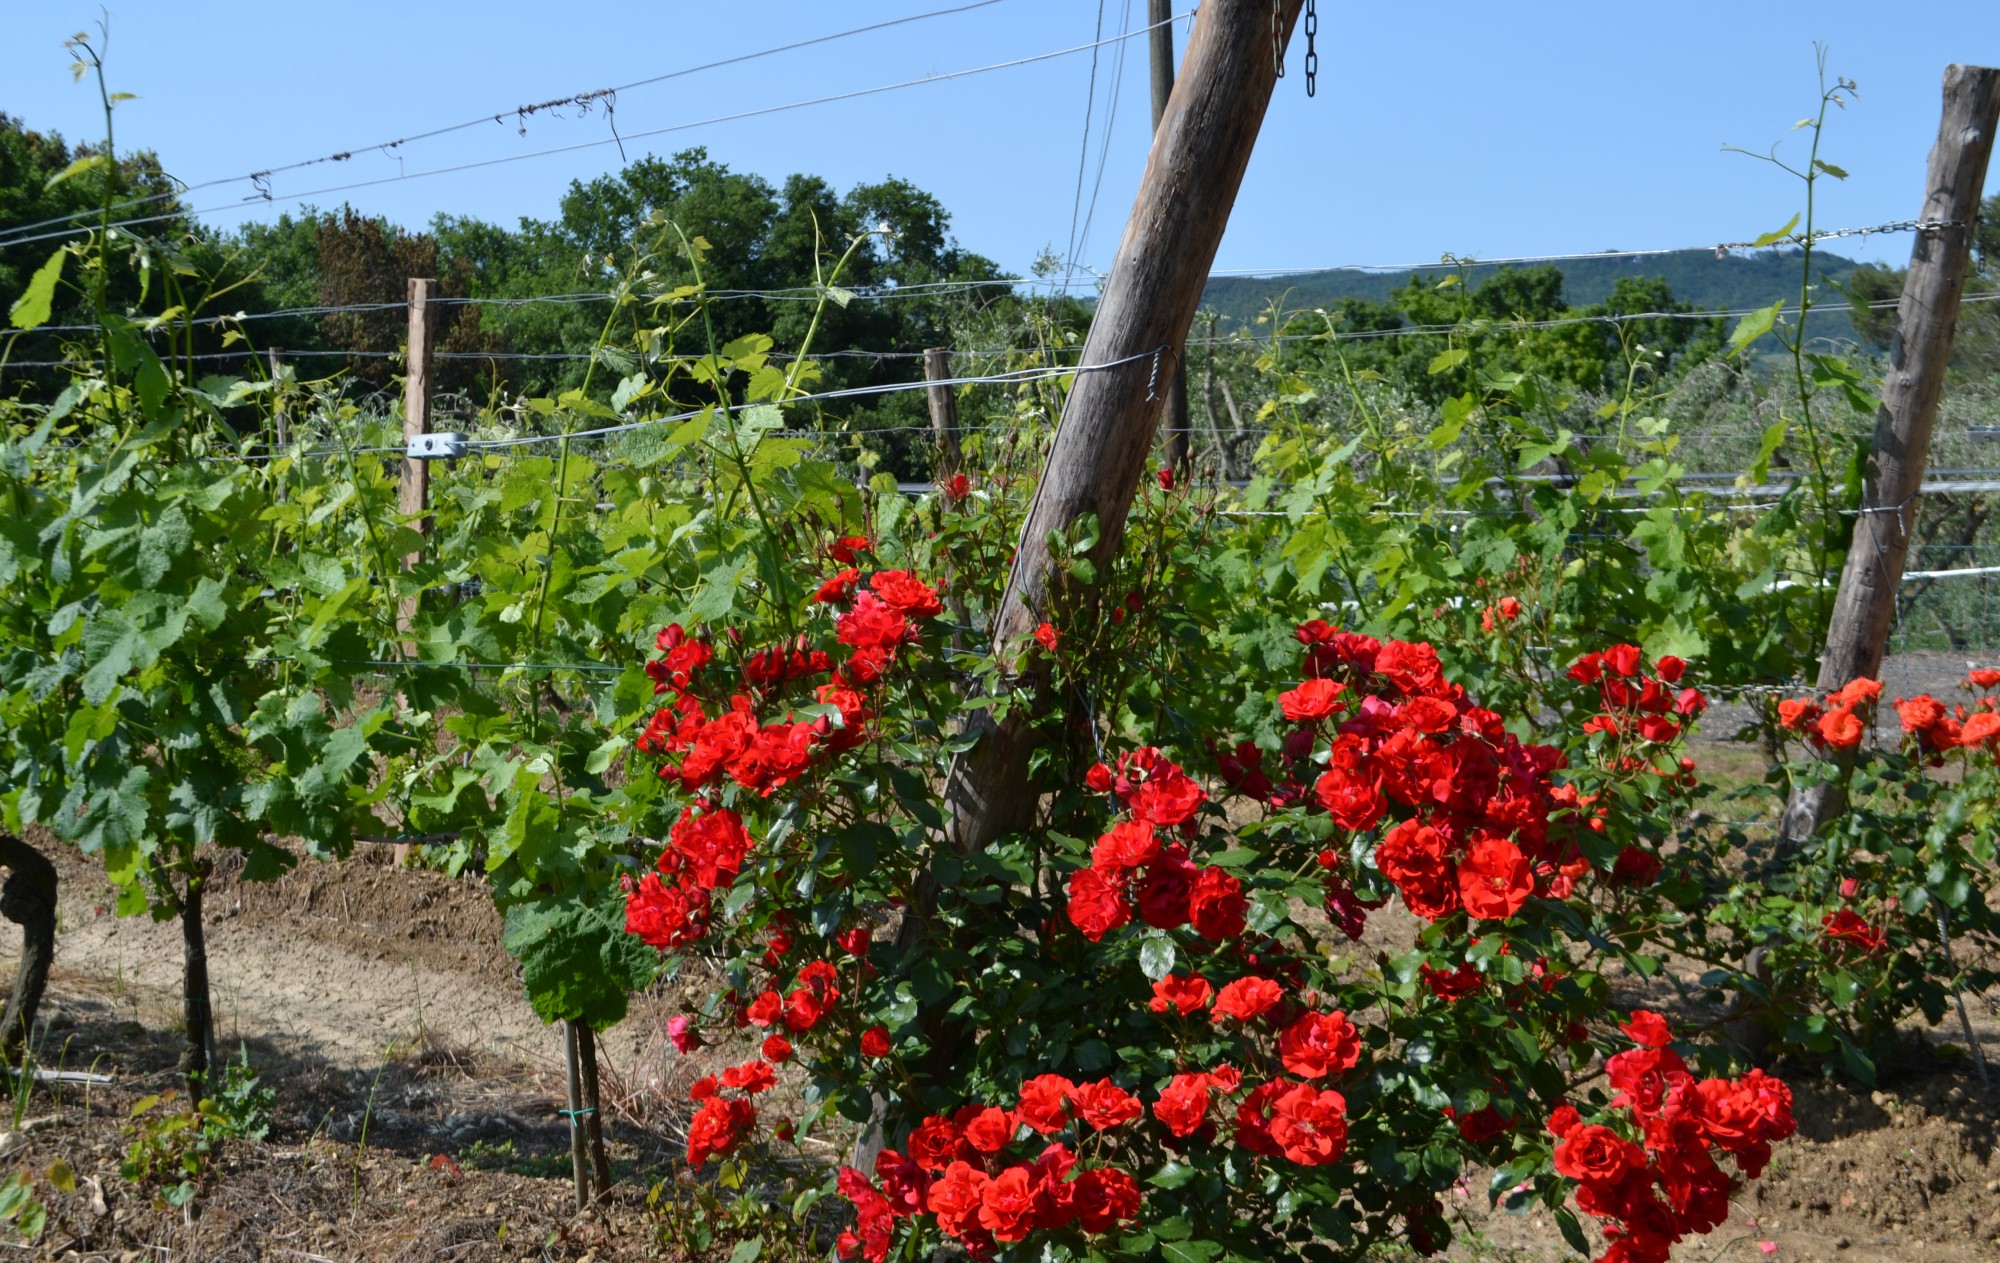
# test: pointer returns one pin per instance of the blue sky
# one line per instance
(1486, 129)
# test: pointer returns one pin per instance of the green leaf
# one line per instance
(747, 1251)
(62, 1177)
(577, 963)
(33, 306)
(1773, 237)
(1171, 1176)
(86, 163)
(1572, 1230)
(1189, 1251)
(1445, 361)
(1829, 169)
(1754, 326)
(1156, 956)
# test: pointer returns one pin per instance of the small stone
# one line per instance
(1841, 1243)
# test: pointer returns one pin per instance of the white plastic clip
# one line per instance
(436, 446)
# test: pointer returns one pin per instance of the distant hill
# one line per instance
(1733, 282)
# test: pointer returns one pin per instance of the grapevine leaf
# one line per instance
(38, 299)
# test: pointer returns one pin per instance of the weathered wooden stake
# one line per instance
(1101, 444)
(593, 1112)
(1926, 319)
(1174, 420)
(28, 900)
(416, 480)
(579, 1160)
(944, 412)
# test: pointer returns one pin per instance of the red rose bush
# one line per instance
(1165, 1012)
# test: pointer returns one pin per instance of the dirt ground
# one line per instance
(416, 1116)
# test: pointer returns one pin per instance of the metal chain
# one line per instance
(1312, 53)
(1278, 38)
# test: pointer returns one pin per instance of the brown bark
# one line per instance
(1926, 321)
(198, 1015)
(28, 900)
(1200, 151)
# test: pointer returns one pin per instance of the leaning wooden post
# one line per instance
(944, 412)
(416, 480)
(1106, 432)
(1174, 420)
(1926, 319)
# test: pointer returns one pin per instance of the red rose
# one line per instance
(1165, 887)
(1644, 1078)
(1412, 668)
(1129, 845)
(1182, 995)
(1981, 729)
(1841, 729)
(845, 549)
(1309, 1126)
(1007, 1205)
(1245, 998)
(936, 1143)
(1413, 856)
(751, 1076)
(1623, 659)
(875, 1042)
(777, 1048)
(1354, 804)
(1984, 678)
(956, 1197)
(959, 487)
(1564, 1120)
(718, 1127)
(907, 593)
(1670, 669)
(1847, 926)
(1105, 1105)
(1098, 778)
(1046, 637)
(1494, 879)
(1217, 906)
(1184, 1104)
(1453, 985)
(1095, 905)
(1043, 1101)
(1312, 701)
(838, 588)
(1168, 797)
(1319, 1044)
(991, 1129)
(1104, 1198)
(1597, 1155)
(1648, 1029)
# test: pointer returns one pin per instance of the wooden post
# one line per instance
(1161, 42)
(944, 412)
(579, 1159)
(593, 1112)
(1926, 319)
(1106, 432)
(416, 480)
(28, 900)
